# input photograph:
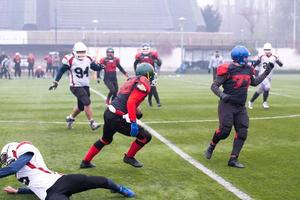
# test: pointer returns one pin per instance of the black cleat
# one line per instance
(85, 165)
(208, 153)
(158, 105)
(233, 162)
(132, 161)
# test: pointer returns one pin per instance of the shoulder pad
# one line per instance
(154, 53)
(143, 84)
(137, 56)
(24, 147)
(90, 58)
(222, 69)
(68, 59)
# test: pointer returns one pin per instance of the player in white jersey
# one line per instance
(26, 161)
(78, 64)
(260, 65)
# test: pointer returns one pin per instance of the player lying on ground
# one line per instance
(235, 78)
(26, 161)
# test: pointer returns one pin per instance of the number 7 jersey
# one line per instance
(78, 70)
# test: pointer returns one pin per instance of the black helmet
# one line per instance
(145, 69)
(110, 50)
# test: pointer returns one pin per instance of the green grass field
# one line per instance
(28, 111)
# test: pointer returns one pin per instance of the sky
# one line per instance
(203, 3)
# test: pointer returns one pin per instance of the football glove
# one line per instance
(134, 129)
(224, 97)
(54, 85)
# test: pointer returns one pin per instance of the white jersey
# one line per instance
(215, 62)
(35, 174)
(78, 70)
(263, 61)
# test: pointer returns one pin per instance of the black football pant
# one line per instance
(153, 92)
(70, 184)
(83, 96)
(30, 71)
(17, 71)
(232, 115)
(114, 123)
(113, 88)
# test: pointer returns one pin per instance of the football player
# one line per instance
(26, 162)
(149, 56)
(78, 64)
(111, 63)
(235, 78)
(260, 65)
(121, 116)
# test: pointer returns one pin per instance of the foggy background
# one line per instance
(181, 30)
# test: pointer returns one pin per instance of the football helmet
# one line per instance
(240, 54)
(145, 49)
(110, 52)
(268, 48)
(80, 50)
(7, 155)
(145, 69)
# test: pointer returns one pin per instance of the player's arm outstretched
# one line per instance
(256, 80)
(59, 74)
(13, 168)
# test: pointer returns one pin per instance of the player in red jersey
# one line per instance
(149, 56)
(121, 116)
(111, 63)
(235, 79)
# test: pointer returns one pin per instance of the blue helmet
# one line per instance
(239, 53)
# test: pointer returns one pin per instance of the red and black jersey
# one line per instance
(131, 95)
(150, 58)
(238, 79)
(111, 65)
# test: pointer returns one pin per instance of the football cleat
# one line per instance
(126, 192)
(265, 105)
(250, 105)
(85, 165)
(94, 125)
(158, 105)
(132, 161)
(208, 153)
(233, 162)
(70, 122)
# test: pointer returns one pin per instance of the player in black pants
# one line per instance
(235, 79)
(111, 63)
(25, 162)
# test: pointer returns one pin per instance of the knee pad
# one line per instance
(224, 132)
(144, 137)
(102, 142)
(242, 134)
(80, 106)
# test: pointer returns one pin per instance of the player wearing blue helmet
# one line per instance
(235, 77)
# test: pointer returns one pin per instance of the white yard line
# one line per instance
(284, 95)
(227, 185)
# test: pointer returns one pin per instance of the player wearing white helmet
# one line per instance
(26, 161)
(265, 86)
(78, 64)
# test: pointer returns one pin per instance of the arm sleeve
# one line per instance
(24, 191)
(279, 63)
(135, 97)
(256, 63)
(61, 71)
(16, 165)
(96, 67)
(258, 79)
(136, 62)
(215, 87)
(121, 68)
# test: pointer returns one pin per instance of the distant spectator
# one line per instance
(30, 60)
(2, 56)
(49, 62)
(55, 63)
(214, 62)
(39, 72)
(17, 61)
(5, 68)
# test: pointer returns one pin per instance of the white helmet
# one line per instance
(267, 48)
(79, 50)
(145, 48)
(7, 155)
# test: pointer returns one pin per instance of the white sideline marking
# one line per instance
(192, 161)
(284, 95)
(150, 122)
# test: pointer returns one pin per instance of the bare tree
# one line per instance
(252, 16)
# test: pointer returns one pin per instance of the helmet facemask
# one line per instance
(80, 50)
(7, 157)
(145, 49)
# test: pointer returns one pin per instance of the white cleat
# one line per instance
(70, 122)
(94, 125)
(266, 105)
(250, 105)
